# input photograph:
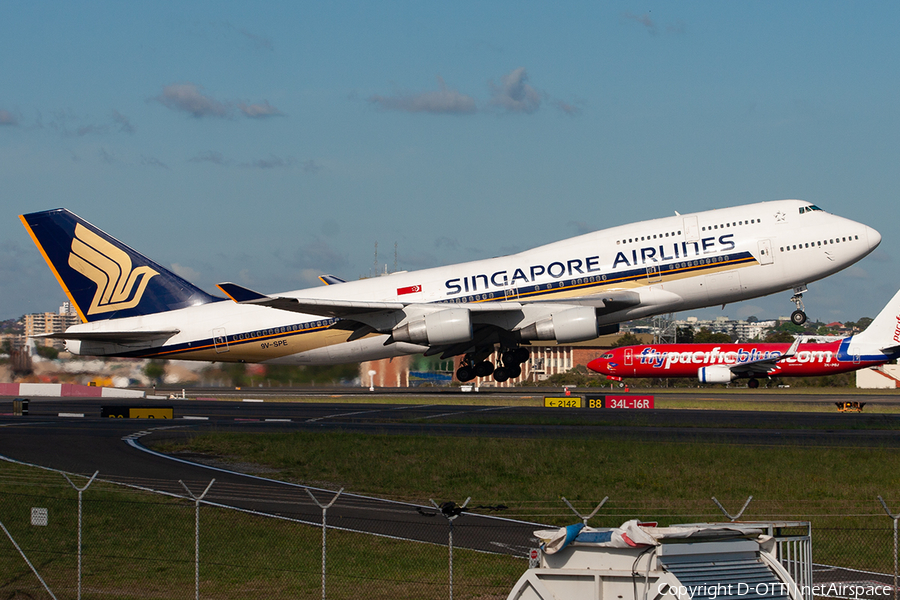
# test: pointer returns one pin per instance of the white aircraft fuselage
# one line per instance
(567, 291)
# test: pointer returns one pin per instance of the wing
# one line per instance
(456, 328)
(307, 306)
(611, 301)
(764, 365)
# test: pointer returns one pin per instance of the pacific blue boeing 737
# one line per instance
(568, 291)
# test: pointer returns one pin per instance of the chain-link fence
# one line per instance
(127, 542)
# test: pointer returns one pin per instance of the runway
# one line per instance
(118, 449)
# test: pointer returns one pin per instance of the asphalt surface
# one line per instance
(120, 449)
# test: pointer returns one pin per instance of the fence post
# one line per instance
(197, 500)
(583, 518)
(451, 510)
(80, 490)
(324, 508)
(740, 512)
(894, 517)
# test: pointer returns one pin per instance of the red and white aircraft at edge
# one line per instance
(722, 363)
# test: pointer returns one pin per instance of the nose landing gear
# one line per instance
(798, 317)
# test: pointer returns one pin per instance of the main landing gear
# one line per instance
(474, 364)
(798, 317)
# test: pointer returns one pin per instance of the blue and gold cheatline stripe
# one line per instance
(270, 333)
(534, 291)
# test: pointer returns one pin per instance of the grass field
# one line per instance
(834, 488)
(531, 471)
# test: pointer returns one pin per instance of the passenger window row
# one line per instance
(803, 246)
(645, 238)
(732, 224)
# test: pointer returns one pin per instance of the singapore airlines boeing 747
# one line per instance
(568, 291)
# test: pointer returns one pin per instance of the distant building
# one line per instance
(15, 340)
(740, 331)
(48, 322)
(389, 372)
(547, 359)
(881, 377)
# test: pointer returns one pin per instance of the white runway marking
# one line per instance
(466, 412)
(365, 412)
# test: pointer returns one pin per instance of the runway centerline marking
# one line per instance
(365, 412)
(466, 412)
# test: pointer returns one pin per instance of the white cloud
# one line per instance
(7, 118)
(644, 20)
(272, 162)
(187, 97)
(442, 101)
(568, 109)
(150, 161)
(211, 156)
(514, 94)
(260, 111)
(122, 122)
(185, 272)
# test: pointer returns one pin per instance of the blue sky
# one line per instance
(266, 143)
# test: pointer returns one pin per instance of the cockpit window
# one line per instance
(810, 208)
(607, 355)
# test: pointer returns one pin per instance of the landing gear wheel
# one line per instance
(753, 384)
(465, 373)
(798, 317)
(484, 368)
(514, 371)
(522, 355)
(501, 374)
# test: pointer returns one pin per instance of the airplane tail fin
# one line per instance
(103, 277)
(883, 332)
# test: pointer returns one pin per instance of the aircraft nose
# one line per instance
(598, 365)
(874, 238)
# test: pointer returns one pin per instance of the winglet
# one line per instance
(331, 279)
(793, 349)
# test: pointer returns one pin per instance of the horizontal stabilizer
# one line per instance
(120, 337)
(891, 350)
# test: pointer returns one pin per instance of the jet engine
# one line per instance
(450, 326)
(715, 374)
(571, 325)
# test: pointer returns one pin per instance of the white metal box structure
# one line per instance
(685, 562)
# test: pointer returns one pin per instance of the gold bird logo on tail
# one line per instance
(119, 286)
